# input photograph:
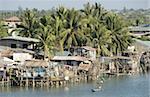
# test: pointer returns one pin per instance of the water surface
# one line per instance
(123, 86)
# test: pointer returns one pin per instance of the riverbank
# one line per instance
(121, 86)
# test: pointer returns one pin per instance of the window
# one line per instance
(25, 45)
(13, 46)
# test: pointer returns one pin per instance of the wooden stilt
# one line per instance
(33, 82)
(27, 82)
(41, 83)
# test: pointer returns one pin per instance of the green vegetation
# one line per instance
(136, 17)
(64, 28)
(3, 30)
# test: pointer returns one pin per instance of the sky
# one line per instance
(78, 4)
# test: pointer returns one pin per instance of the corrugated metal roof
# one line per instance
(20, 38)
(88, 48)
(4, 63)
(145, 43)
(70, 58)
(2, 48)
(140, 28)
(13, 19)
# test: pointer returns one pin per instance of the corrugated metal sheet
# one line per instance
(145, 43)
(71, 58)
(36, 63)
(19, 38)
(13, 19)
(88, 48)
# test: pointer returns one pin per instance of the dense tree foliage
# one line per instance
(3, 30)
(65, 28)
(136, 17)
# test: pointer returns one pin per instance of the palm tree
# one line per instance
(29, 23)
(119, 34)
(100, 38)
(47, 37)
(3, 30)
(95, 30)
(71, 33)
(59, 19)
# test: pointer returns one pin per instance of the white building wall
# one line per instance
(22, 57)
(92, 54)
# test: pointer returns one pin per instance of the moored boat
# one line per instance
(95, 90)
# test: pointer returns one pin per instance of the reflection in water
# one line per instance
(123, 86)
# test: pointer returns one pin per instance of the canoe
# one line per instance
(95, 90)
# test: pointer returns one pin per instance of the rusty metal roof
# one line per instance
(13, 19)
(36, 63)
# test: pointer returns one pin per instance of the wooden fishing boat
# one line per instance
(95, 90)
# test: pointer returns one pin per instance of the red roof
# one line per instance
(13, 19)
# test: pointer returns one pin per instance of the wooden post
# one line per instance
(47, 77)
(2, 81)
(33, 82)
(27, 82)
(21, 75)
(41, 82)
(47, 81)
(117, 67)
(57, 83)
(8, 81)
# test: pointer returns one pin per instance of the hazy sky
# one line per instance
(48, 4)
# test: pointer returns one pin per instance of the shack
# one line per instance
(142, 30)
(19, 42)
(69, 60)
(12, 23)
(35, 68)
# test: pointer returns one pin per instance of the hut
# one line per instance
(12, 23)
(142, 30)
(118, 64)
(69, 60)
(35, 68)
(19, 42)
(85, 51)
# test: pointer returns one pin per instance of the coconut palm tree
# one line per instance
(3, 30)
(119, 34)
(29, 23)
(71, 33)
(100, 38)
(96, 31)
(46, 35)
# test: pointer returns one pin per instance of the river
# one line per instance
(123, 86)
